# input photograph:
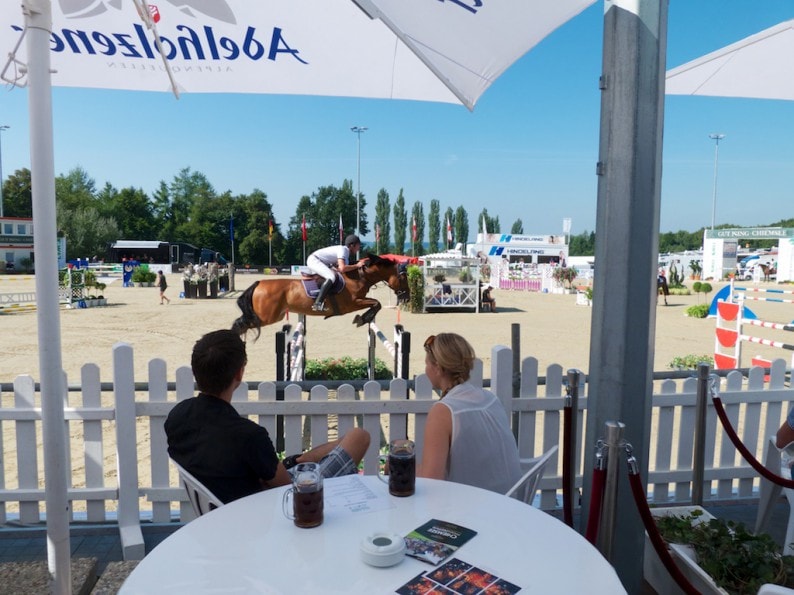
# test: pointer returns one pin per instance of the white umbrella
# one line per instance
(758, 66)
(318, 47)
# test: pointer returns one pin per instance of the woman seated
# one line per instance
(467, 436)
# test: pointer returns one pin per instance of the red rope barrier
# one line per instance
(596, 499)
(656, 539)
(567, 455)
(748, 456)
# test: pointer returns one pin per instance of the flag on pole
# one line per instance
(270, 230)
(341, 230)
(413, 229)
(449, 233)
(303, 229)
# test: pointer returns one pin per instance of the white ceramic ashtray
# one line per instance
(383, 549)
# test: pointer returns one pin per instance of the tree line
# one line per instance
(190, 210)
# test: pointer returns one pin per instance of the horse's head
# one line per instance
(394, 273)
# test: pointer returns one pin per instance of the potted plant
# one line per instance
(716, 556)
(564, 275)
(696, 269)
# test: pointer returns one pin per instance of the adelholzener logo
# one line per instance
(216, 9)
(198, 43)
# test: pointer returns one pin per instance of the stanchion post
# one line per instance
(515, 342)
(282, 374)
(614, 444)
(699, 446)
(570, 450)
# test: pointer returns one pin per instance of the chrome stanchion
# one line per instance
(614, 444)
(699, 446)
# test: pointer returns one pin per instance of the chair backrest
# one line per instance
(200, 497)
(526, 487)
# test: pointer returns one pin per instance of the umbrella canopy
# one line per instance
(433, 51)
(758, 66)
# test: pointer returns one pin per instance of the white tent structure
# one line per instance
(758, 66)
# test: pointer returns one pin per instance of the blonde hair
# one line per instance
(454, 355)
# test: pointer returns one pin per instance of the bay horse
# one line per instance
(267, 301)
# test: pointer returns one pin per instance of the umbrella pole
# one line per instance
(38, 18)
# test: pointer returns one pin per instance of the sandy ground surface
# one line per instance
(553, 329)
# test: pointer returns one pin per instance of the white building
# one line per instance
(16, 241)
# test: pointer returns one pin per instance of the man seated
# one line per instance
(230, 454)
(487, 299)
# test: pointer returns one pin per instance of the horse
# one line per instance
(267, 301)
(766, 271)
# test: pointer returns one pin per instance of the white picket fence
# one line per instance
(117, 436)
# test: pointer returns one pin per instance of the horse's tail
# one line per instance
(249, 319)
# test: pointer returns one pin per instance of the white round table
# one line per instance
(248, 546)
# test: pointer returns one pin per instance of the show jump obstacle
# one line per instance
(732, 315)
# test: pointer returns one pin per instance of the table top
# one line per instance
(248, 546)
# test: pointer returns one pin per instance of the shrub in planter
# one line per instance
(698, 311)
(344, 368)
(416, 285)
(736, 560)
(563, 275)
(690, 361)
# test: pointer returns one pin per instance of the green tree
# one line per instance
(134, 214)
(75, 190)
(417, 218)
(433, 225)
(17, 194)
(461, 226)
(400, 223)
(491, 222)
(87, 232)
(517, 227)
(582, 244)
(256, 245)
(383, 221)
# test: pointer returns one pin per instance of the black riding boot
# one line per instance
(319, 304)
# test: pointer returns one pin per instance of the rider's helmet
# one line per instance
(352, 239)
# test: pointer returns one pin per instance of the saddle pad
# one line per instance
(312, 288)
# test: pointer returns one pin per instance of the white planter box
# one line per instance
(656, 574)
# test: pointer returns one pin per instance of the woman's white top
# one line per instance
(483, 451)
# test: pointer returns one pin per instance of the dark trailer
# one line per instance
(141, 250)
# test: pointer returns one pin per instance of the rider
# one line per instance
(333, 257)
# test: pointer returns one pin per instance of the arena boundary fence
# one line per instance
(117, 437)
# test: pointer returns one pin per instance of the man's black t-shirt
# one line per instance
(228, 453)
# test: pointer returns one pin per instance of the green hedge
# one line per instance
(345, 368)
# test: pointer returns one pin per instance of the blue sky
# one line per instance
(527, 151)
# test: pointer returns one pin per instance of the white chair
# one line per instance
(768, 493)
(202, 499)
(526, 487)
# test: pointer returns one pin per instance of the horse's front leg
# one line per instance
(369, 315)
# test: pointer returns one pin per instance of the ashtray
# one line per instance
(383, 549)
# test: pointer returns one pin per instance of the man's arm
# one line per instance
(343, 267)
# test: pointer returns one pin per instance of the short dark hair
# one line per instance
(216, 359)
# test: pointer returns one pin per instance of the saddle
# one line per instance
(312, 281)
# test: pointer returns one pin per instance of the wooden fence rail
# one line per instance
(119, 469)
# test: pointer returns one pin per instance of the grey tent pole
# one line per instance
(627, 231)
(38, 20)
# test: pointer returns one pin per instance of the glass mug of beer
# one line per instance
(306, 494)
(402, 468)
